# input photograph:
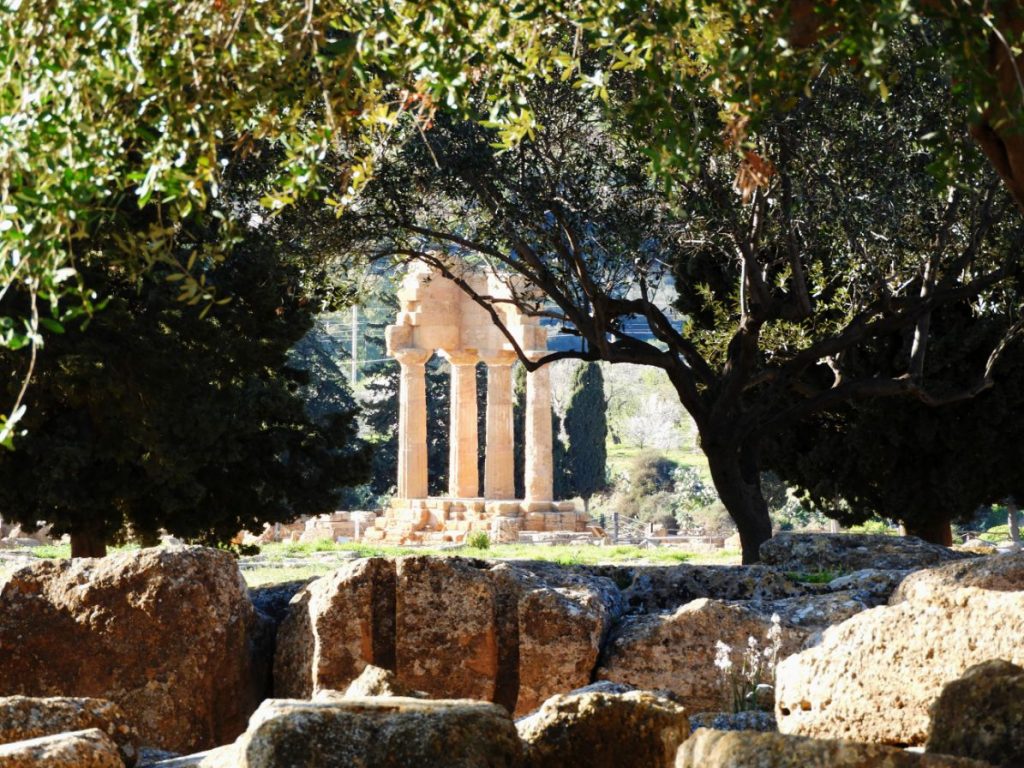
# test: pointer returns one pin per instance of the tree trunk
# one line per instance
(1012, 519)
(87, 544)
(935, 531)
(737, 479)
(586, 506)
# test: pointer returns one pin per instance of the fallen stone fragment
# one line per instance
(89, 748)
(24, 717)
(749, 749)
(374, 681)
(604, 730)
(981, 715)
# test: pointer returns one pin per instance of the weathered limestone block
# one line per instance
(809, 552)
(749, 749)
(25, 717)
(90, 748)
(981, 715)
(1002, 573)
(604, 730)
(164, 633)
(336, 626)
(874, 677)
(446, 641)
(379, 732)
(560, 633)
(677, 651)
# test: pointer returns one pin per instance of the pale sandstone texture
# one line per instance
(637, 729)
(379, 732)
(26, 717)
(749, 749)
(166, 634)
(981, 715)
(1001, 573)
(873, 677)
(676, 651)
(452, 628)
(90, 748)
(810, 552)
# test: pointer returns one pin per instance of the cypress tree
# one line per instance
(586, 425)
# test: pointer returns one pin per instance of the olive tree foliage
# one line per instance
(847, 237)
(110, 105)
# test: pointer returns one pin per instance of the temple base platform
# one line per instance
(444, 520)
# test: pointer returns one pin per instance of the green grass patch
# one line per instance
(51, 551)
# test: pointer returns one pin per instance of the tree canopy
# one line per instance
(900, 459)
(155, 418)
(109, 105)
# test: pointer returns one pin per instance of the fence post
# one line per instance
(615, 527)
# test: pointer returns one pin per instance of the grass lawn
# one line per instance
(284, 562)
(288, 561)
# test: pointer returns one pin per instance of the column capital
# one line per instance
(411, 356)
(498, 357)
(458, 357)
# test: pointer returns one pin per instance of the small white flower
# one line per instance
(722, 659)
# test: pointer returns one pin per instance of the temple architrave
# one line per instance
(436, 315)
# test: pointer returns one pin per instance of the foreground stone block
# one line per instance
(1001, 573)
(749, 749)
(874, 677)
(24, 717)
(90, 748)
(164, 633)
(981, 715)
(383, 733)
(811, 552)
(677, 651)
(604, 730)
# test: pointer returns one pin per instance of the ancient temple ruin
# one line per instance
(437, 316)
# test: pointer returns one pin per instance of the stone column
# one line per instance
(412, 424)
(499, 461)
(463, 475)
(538, 436)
